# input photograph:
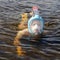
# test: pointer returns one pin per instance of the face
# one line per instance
(35, 27)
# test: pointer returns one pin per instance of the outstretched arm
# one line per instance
(24, 19)
(19, 50)
(19, 36)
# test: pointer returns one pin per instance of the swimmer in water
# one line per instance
(34, 28)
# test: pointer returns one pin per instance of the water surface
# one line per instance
(48, 47)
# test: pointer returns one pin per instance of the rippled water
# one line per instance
(47, 48)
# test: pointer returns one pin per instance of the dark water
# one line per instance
(48, 48)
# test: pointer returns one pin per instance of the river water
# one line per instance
(47, 48)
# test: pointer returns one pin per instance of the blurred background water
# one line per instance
(48, 48)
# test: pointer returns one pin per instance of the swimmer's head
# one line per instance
(35, 25)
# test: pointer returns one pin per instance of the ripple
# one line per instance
(47, 48)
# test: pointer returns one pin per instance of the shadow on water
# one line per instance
(46, 48)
